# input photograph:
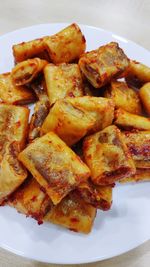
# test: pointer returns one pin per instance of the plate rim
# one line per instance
(83, 261)
(92, 259)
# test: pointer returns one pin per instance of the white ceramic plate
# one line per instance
(121, 229)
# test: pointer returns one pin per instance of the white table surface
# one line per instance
(129, 18)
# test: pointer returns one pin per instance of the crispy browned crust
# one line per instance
(138, 143)
(107, 156)
(12, 94)
(101, 65)
(128, 121)
(14, 123)
(124, 97)
(30, 200)
(12, 172)
(138, 71)
(26, 71)
(73, 118)
(63, 80)
(66, 46)
(13, 133)
(31, 49)
(55, 166)
(73, 213)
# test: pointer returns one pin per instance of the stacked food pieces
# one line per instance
(89, 128)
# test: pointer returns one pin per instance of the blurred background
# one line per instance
(130, 18)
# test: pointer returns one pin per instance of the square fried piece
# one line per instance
(107, 156)
(12, 173)
(12, 94)
(65, 46)
(30, 49)
(26, 71)
(55, 166)
(73, 213)
(73, 118)
(13, 132)
(130, 121)
(14, 123)
(138, 71)
(101, 65)
(98, 196)
(124, 97)
(63, 80)
(138, 143)
(30, 200)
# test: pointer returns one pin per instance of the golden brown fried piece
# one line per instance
(14, 123)
(26, 71)
(145, 97)
(73, 213)
(63, 80)
(30, 200)
(98, 196)
(124, 97)
(12, 173)
(138, 143)
(12, 94)
(66, 46)
(139, 71)
(73, 118)
(101, 65)
(141, 175)
(107, 156)
(129, 121)
(31, 49)
(54, 165)
(13, 132)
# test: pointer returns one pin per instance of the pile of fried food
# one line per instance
(90, 128)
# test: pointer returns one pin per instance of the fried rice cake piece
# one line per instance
(138, 143)
(73, 213)
(54, 165)
(107, 156)
(73, 118)
(63, 80)
(31, 200)
(102, 65)
(124, 97)
(128, 121)
(13, 133)
(12, 94)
